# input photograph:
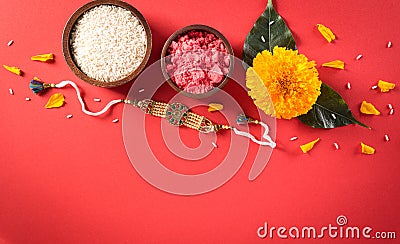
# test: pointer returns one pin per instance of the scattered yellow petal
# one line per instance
(55, 101)
(36, 79)
(215, 107)
(367, 149)
(337, 64)
(14, 70)
(385, 86)
(368, 108)
(43, 57)
(308, 146)
(326, 32)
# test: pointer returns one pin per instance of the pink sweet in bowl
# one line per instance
(196, 59)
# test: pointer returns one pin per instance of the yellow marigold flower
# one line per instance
(326, 32)
(368, 108)
(337, 64)
(367, 149)
(308, 146)
(385, 86)
(258, 91)
(285, 78)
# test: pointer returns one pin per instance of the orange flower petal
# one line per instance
(215, 107)
(308, 146)
(326, 32)
(367, 149)
(337, 64)
(368, 108)
(14, 70)
(43, 57)
(55, 101)
(385, 86)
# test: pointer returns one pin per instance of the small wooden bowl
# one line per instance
(67, 45)
(182, 31)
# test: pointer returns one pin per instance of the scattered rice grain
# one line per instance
(387, 138)
(97, 99)
(374, 87)
(10, 43)
(389, 45)
(214, 144)
(271, 22)
(115, 120)
(336, 145)
(391, 112)
(390, 106)
(27, 99)
(333, 116)
(359, 57)
(293, 138)
(108, 43)
(69, 116)
(262, 38)
(11, 91)
(141, 90)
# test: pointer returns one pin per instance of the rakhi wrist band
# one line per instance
(176, 114)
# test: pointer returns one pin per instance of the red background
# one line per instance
(70, 180)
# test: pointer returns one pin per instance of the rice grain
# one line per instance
(336, 145)
(108, 43)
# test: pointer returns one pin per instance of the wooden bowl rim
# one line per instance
(187, 29)
(67, 48)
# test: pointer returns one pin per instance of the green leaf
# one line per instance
(330, 111)
(270, 30)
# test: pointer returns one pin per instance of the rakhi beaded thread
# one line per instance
(177, 114)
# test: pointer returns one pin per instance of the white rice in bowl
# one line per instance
(108, 43)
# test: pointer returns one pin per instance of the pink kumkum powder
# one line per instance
(197, 61)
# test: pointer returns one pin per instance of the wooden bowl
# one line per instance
(182, 31)
(68, 55)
